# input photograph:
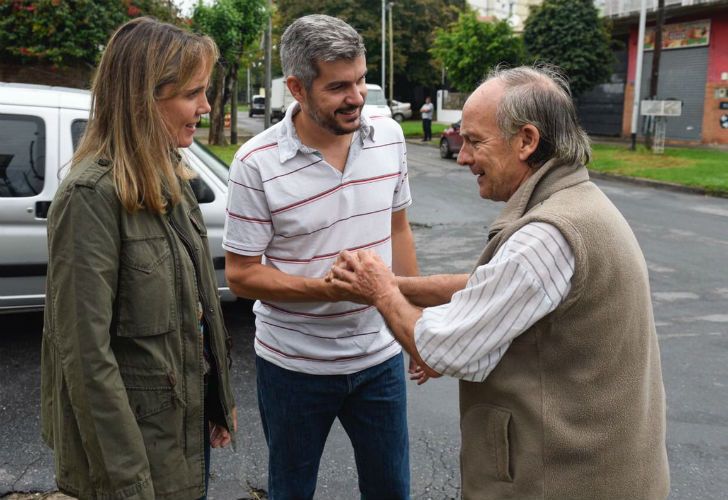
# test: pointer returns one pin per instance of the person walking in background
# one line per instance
(135, 358)
(324, 179)
(426, 111)
(552, 335)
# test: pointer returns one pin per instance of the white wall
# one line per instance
(446, 115)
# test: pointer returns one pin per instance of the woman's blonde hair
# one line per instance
(125, 126)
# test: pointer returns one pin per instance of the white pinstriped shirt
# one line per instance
(527, 278)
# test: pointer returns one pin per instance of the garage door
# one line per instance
(683, 75)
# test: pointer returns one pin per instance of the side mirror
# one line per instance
(202, 191)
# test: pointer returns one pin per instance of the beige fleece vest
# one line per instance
(576, 407)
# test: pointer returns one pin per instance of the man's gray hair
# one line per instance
(540, 96)
(315, 38)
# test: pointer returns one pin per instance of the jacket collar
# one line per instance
(550, 178)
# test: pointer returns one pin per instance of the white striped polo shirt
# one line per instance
(527, 278)
(289, 205)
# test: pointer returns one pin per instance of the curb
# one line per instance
(638, 181)
(667, 186)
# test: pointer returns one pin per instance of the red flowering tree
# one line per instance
(63, 33)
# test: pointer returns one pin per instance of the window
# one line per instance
(22, 155)
(375, 97)
(78, 127)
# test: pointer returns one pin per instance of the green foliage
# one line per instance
(469, 48)
(233, 24)
(570, 35)
(65, 32)
(414, 23)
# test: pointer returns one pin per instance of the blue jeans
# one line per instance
(298, 409)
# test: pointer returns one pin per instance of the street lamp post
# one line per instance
(638, 75)
(384, 44)
(391, 54)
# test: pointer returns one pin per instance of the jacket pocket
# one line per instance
(485, 451)
(145, 294)
(150, 394)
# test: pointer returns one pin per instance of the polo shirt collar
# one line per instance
(289, 144)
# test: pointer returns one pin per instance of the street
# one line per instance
(685, 241)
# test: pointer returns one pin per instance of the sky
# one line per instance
(186, 6)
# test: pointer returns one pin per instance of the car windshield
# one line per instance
(258, 100)
(208, 157)
(375, 97)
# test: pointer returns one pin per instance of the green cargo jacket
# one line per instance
(122, 365)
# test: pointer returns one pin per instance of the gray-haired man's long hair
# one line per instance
(315, 38)
(540, 96)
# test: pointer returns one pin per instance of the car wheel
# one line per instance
(445, 151)
(250, 114)
(399, 117)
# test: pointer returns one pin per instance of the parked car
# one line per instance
(375, 103)
(401, 111)
(450, 141)
(40, 127)
(257, 106)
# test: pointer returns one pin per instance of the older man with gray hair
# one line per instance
(324, 179)
(552, 335)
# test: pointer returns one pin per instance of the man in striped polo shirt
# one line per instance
(552, 336)
(326, 178)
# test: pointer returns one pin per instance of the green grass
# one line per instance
(413, 128)
(698, 167)
(225, 153)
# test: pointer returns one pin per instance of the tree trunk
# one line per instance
(217, 114)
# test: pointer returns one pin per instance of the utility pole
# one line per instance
(268, 57)
(391, 54)
(638, 74)
(656, 55)
(384, 45)
(234, 107)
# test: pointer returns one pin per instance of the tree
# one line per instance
(570, 35)
(414, 22)
(470, 47)
(63, 33)
(235, 25)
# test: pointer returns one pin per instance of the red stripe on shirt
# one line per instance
(260, 148)
(248, 219)
(327, 255)
(292, 171)
(246, 186)
(332, 190)
(312, 315)
(383, 145)
(310, 358)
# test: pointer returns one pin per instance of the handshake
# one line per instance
(362, 277)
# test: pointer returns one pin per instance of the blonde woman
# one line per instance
(135, 380)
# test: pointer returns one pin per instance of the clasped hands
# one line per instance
(362, 277)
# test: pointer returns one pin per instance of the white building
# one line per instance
(515, 11)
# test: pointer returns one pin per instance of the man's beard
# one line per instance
(329, 122)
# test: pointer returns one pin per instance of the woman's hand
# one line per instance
(220, 436)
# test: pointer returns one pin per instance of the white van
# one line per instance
(40, 126)
(375, 103)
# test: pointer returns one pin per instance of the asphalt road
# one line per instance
(685, 241)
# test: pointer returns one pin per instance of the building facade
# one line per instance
(514, 11)
(693, 66)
